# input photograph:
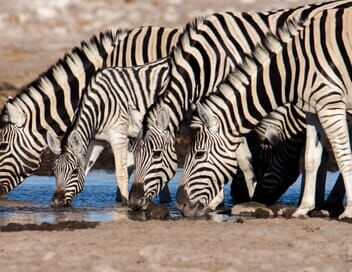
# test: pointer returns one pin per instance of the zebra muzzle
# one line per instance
(137, 200)
(59, 200)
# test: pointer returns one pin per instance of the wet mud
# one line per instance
(61, 226)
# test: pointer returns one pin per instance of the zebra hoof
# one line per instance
(346, 215)
(301, 213)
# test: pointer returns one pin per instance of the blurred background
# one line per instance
(35, 33)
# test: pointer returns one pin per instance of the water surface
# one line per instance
(30, 202)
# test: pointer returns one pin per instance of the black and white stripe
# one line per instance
(308, 65)
(113, 98)
(276, 145)
(206, 52)
(47, 105)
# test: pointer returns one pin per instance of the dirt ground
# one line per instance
(184, 245)
(33, 35)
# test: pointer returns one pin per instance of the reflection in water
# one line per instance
(30, 202)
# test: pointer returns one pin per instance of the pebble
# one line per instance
(157, 211)
(48, 256)
(152, 253)
(252, 209)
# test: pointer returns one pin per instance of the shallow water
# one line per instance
(30, 202)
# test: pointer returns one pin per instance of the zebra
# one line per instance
(276, 145)
(307, 64)
(315, 154)
(113, 97)
(46, 106)
(198, 65)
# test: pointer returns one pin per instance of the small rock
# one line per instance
(152, 254)
(319, 213)
(349, 253)
(283, 210)
(157, 211)
(48, 256)
(239, 221)
(253, 209)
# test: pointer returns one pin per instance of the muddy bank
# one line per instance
(68, 225)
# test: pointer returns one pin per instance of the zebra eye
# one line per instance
(75, 172)
(200, 155)
(3, 146)
(157, 154)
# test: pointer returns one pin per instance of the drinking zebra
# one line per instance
(307, 64)
(197, 67)
(113, 97)
(46, 106)
(276, 145)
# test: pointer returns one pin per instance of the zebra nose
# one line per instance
(58, 199)
(182, 200)
(137, 200)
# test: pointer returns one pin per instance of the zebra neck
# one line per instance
(201, 60)
(51, 101)
(265, 81)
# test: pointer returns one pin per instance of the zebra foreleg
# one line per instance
(164, 195)
(119, 147)
(312, 159)
(333, 121)
(334, 202)
(244, 158)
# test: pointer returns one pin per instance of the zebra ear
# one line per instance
(75, 142)
(15, 115)
(54, 142)
(163, 119)
(208, 118)
(135, 124)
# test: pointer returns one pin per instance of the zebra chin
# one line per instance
(59, 200)
(137, 201)
(187, 208)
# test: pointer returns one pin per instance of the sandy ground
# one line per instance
(184, 245)
(33, 35)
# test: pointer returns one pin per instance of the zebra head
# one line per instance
(209, 163)
(155, 161)
(69, 169)
(19, 150)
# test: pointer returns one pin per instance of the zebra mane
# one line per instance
(191, 27)
(185, 38)
(262, 53)
(55, 74)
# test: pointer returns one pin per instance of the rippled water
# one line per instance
(30, 202)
